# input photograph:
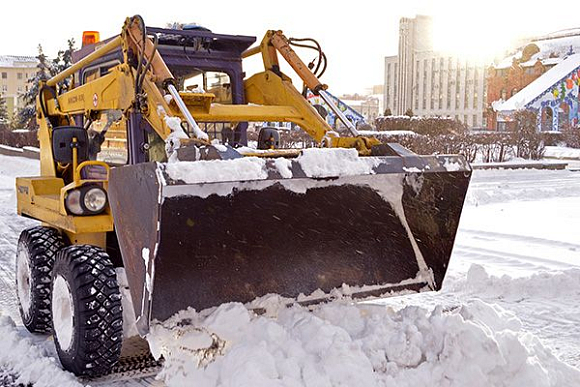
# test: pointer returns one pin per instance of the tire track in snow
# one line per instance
(506, 259)
(522, 238)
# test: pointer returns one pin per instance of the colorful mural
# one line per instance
(351, 114)
(558, 106)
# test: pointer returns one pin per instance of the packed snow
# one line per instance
(213, 171)
(32, 362)
(327, 162)
(508, 313)
(315, 162)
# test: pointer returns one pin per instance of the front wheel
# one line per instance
(87, 314)
(35, 254)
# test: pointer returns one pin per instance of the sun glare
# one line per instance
(469, 37)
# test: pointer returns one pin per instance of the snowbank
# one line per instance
(340, 344)
(549, 285)
(30, 362)
(561, 152)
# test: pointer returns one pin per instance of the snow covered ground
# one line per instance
(508, 314)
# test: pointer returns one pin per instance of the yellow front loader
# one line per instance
(145, 176)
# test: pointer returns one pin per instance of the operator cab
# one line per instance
(200, 61)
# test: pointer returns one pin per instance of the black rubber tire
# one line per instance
(40, 244)
(98, 315)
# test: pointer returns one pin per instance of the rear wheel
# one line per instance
(86, 310)
(35, 254)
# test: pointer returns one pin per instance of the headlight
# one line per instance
(89, 200)
(95, 200)
(73, 202)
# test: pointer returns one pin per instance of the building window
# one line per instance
(19, 76)
(475, 100)
(4, 88)
(20, 89)
(442, 63)
(475, 120)
(433, 83)
(465, 119)
(4, 75)
(503, 94)
(484, 96)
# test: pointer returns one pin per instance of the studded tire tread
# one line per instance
(98, 314)
(42, 244)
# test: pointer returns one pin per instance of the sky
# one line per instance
(355, 35)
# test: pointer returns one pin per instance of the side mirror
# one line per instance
(63, 144)
(268, 138)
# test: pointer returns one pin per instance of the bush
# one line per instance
(422, 125)
(571, 137)
(18, 139)
(530, 143)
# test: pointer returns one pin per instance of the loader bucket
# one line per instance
(192, 236)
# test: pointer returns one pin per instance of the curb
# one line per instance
(548, 166)
(28, 152)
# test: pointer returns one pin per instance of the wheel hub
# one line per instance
(62, 312)
(23, 278)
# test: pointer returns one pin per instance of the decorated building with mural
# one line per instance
(542, 77)
(350, 113)
(554, 97)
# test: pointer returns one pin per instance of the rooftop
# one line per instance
(549, 50)
(18, 61)
(538, 87)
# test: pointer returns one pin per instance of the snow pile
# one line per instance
(31, 363)
(173, 141)
(549, 285)
(561, 152)
(453, 165)
(386, 133)
(315, 162)
(340, 344)
(212, 171)
(334, 162)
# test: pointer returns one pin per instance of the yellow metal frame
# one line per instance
(270, 96)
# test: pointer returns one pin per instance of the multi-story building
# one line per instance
(15, 73)
(432, 83)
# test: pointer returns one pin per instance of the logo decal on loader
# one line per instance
(23, 189)
(95, 100)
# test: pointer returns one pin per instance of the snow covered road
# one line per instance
(517, 248)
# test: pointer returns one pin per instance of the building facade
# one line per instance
(431, 83)
(15, 73)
